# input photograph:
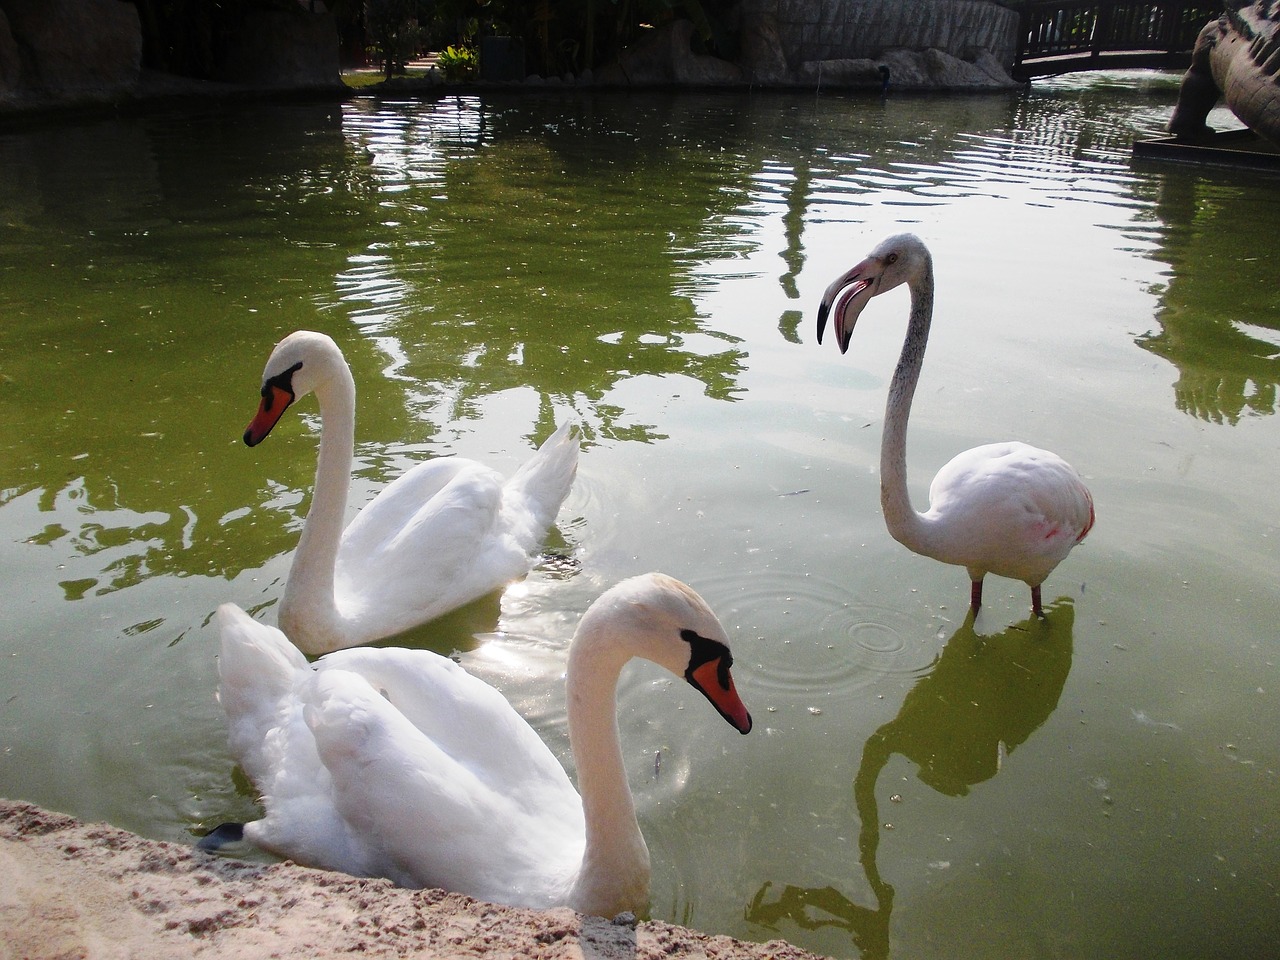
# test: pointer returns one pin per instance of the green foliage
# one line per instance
(457, 63)
(573, 35)
(393, 28)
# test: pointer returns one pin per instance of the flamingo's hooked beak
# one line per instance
(850, 293)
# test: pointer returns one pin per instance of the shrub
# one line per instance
(457, 63)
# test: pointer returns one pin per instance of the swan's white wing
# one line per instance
(453, 812)
(444, 534)
(456, 709)
(258, 668)
(532, 497)
(449, 493)
(262, 675)
(423, 548)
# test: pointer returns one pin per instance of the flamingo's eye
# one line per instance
(891, 259)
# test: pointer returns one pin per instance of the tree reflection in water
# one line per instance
(978, 701)
(1225, 348)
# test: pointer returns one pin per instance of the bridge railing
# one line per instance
(1085, 31)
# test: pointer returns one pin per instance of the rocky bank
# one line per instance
(77, 54)
(93, 892)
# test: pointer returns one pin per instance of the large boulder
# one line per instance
(284, 49)
(85, 49)
(10, 61)
(666, 56)
(761, 53)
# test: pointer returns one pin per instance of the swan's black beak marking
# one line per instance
(708, 672)
(277, 394)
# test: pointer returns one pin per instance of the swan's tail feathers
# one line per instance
(258, 667)
(541, 484)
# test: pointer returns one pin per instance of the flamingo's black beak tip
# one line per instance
(823, 309)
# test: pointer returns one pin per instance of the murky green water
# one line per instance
(1101, 785)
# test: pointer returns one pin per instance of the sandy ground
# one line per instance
(75, 890)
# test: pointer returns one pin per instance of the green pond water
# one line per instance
(1101, 784)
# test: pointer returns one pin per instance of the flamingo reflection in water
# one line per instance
(980, 699)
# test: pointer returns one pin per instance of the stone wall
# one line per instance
(822, 30)
(68, 49)
(71, 53)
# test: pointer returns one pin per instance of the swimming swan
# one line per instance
(398, 763)
(443, 534)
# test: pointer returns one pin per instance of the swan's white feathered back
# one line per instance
(461, 795)
(396, 763)
(445, 533)
(261, 674)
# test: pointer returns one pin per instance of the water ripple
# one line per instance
(801, 635)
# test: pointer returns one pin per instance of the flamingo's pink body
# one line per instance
(1005, 508)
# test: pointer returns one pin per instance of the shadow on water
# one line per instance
(981, 698)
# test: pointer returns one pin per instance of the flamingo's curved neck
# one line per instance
(904, 523)
(311, 578)
(615, 863)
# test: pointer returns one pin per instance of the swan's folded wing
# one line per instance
(404, 495)
(422, 548)
(431, 816)
(462, 715)
(258, 668)
(263, 678)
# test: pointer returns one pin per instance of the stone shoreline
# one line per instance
(93, 891)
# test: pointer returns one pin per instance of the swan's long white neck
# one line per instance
(311, 578)
(615, 863)
(906, 525)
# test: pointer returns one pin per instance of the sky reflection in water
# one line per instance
(1097, 785)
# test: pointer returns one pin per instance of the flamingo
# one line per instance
(397, 763)
(444, 533)
(1005, 508)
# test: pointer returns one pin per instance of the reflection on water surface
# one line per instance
(978, 700)
(651, 264)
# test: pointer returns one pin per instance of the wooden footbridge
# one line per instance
(1064, 37)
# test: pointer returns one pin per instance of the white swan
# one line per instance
(1004, 508)
(445, 533)
(398, 763)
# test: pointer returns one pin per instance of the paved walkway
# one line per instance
(420, 65)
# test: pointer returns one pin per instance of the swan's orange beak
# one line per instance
(715, 682)
(850, 293)
(275, 400)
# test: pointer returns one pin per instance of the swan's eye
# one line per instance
(281, 381)
(706, 651)
(722, 673)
